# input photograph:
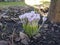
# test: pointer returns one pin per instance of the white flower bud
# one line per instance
(44, 19)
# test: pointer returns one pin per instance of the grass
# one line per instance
(7, 4)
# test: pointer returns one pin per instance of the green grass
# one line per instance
(7, 4)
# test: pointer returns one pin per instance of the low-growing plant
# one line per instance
(30, 29)
(30, 23)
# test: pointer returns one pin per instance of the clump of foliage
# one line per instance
(30, 23)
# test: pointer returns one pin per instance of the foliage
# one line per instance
(30, 30)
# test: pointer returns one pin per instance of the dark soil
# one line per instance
(49, 33)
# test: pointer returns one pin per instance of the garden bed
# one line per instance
(49, 34)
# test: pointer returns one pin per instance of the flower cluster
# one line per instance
(31, 16)
(30, 22)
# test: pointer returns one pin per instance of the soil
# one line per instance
(49, 34)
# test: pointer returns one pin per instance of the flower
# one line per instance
(30, 22)
(44, 18)
(31, 16)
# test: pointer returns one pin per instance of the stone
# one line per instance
(36, 36)
(55, 25)
(1, 24)
(24, 38)
(3, 43)
(5, 16)
(45, 25)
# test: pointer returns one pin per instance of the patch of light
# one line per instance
(35, 2)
